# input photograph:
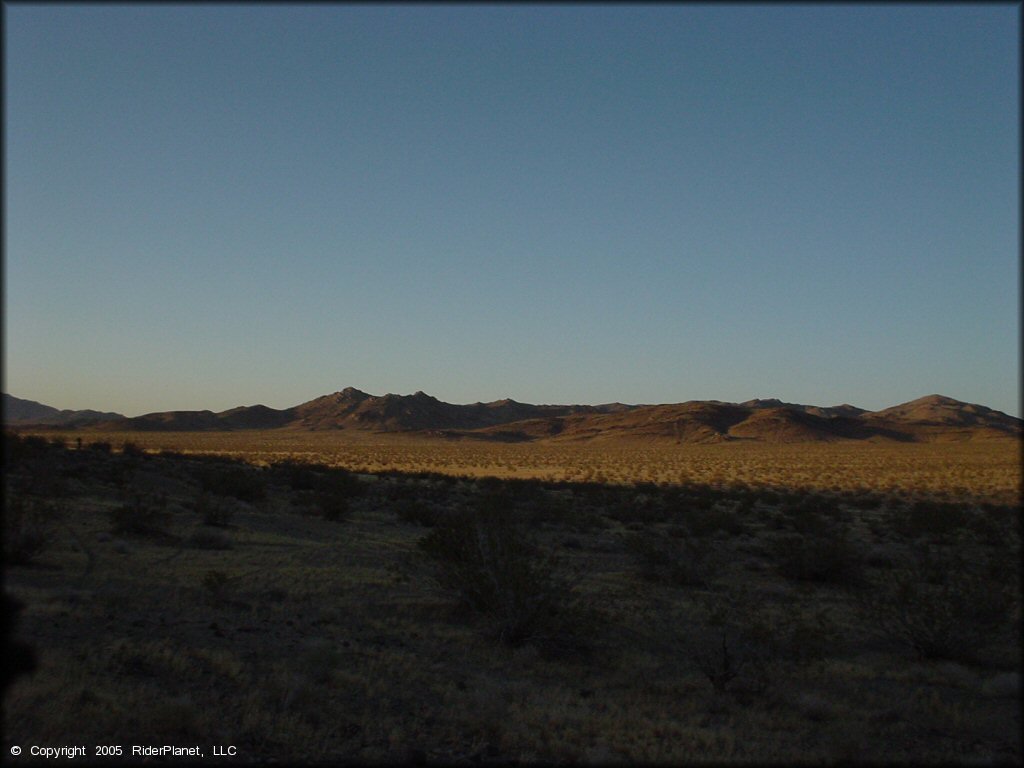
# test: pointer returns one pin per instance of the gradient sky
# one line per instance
(212, 206)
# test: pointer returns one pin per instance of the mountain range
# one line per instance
(18, 411)
(934, 418)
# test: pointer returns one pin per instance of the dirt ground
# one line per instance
(294, 612)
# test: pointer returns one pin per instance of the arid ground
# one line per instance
(461, 601)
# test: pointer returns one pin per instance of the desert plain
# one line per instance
(388, 598)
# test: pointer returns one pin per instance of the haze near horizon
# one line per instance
(213, 206)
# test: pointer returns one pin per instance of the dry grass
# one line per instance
(298, 637)
(968, 471)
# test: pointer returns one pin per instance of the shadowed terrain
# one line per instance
(780, 603)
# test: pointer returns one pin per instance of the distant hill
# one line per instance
(353, 409)
(939, 418)
(928, 419)
(19, 412)
(814, 410)
(243, 417)
(711, 422)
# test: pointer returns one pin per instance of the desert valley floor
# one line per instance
(460, 601)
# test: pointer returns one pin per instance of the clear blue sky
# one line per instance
(211, 206)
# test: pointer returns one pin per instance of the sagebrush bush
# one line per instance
(724, 652)
(340, 483)
(297, 476)
(707, 520)
(332, 491)
(215, 582)
(829, 557)
(28, 529)
(17, 448)
(207, 539)
(941, 606)
(47, 479)
(416, 511)
(243, 483)
(332, 506)
(810, 516)
(487, 558)
(133, 450)
(937, 519)
(732, 638)
(995, 525)
(215, 511)
(142, 514)
(629, 507)
(680, 561)
(563, 511)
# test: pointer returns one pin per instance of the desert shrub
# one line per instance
(863, 500)
(800, 634)
(668, 559)
(702, 521)
(18, 448)
(332, 506)
(318, 659)
(487, 558)
(497, 495)
(133, 450)
(640, 509)
(392, 491)
(731, 639)
(113, 469)
(340, 483)
(723, 653)
(28, 529)
(703, 500)
(522, 493)
(416, 511)
(580, 519)
(937, 519)
(213, 510)
(733, 636)
(551, 508)
(20, 658)
(995, 525)
(331, 494)
(647, 504)
(294, 474)
(207, 539)
(215, 584)
(46, 478)
(142, 514)
(746, 506)
(810, 516)
(829, 557)
(561, 509)
(243, 483)
(941, 606)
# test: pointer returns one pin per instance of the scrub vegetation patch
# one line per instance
(516, 603)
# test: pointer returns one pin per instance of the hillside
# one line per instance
(19, 411)
(934, 418)
(420, 412)
(940, 418)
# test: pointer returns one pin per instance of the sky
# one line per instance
(209, 206)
